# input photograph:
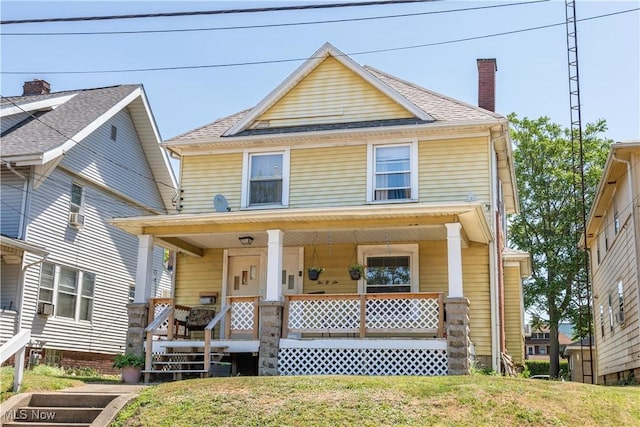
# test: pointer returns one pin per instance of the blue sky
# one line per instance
(532, 66)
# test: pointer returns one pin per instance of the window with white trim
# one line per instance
(610, 314)
(390, 268)
(616, 218)
(71, 291)
(393, 172)
(77, 198)
(266, 179)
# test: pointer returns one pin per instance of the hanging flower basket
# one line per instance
(356, 271)
(314, 272)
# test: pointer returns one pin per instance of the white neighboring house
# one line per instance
(613, 239)
(71, 161)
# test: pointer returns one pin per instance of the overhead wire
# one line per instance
(278, 61)
(286, 24)
(214, 12)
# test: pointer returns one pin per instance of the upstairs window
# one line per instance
(393, 172)
(77, 198)
(267, 179)
(616, 218)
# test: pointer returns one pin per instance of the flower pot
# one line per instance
(355, 274)
(131, 374)
(313, 274)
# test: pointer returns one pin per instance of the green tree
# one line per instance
(550, 219)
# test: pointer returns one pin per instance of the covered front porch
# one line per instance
(408, 314)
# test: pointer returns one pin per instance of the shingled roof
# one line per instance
(440, 107)
(56, 126)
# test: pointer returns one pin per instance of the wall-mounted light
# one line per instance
(246, 240)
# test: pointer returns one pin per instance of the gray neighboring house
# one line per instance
(70, 162)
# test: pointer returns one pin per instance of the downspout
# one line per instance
(495, 359)
(634, 218)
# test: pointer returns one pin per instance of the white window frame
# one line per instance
(74, 207)
(246, 175)
(57, 268)
(621, 310)
(371, 176)
(409, 249)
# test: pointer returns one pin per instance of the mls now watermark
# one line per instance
(27, 414)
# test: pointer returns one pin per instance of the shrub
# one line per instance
(124, 360)
(541, 367)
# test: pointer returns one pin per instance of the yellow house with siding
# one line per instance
(339, 165)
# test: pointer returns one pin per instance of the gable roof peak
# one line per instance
(310, 64)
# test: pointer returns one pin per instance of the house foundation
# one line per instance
(138, 315)
(458, 340)
(270, 333)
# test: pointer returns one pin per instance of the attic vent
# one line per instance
(114, 133)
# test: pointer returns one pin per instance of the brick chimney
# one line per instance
(36, 87)
(487, 83)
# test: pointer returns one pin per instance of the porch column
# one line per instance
(459, 356)
(274, 265)
(138, 313)
(270, 332)
(454, 251)
(144, 269)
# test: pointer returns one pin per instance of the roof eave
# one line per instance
(179, 147)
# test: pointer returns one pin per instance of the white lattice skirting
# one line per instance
(312, 359)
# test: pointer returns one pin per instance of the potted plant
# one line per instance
(314, 272)
(356, 271)
(131, 366)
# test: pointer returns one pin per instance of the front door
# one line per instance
(247, 276)
(244, 275)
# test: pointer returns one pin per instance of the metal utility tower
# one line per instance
(583, 287)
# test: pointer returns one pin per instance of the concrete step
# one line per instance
(62, 400)
(91, 407)
(57, 415)
(32, 424)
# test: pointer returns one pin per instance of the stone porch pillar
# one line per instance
(457, 307)
(138, 315)
(458, 341)
(270, 332)
(271, 309)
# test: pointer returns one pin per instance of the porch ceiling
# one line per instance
(364, 224)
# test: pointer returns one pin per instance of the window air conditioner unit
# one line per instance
(45, 308)
(76, 219)
(620, 317)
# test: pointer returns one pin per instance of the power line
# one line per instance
(213, 12)
(288, 24)
(279, 61)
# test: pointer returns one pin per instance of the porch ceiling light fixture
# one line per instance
(246, 240)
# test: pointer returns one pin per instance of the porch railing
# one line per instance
(177, 318)
(364, 314)
(240, 319)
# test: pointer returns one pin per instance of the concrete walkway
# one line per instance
(106, 388)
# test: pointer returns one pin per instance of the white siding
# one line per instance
(8, 320)
(120, 164)
(9, 276)
(9, 121)
(99, 248)
(11, 195)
